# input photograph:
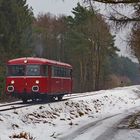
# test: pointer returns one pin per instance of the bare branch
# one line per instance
(116, 1)
(125, 19)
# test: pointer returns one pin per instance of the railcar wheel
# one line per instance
(24, 100)
(52, 99)
(46, 98)
(60, 97)
(34, 100)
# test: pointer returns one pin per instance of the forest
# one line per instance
(83, 40)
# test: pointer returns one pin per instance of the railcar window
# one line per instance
(60, 72)
(68, 72)
(33, 70)
(54, 71)
(16, 70)
(44, 70)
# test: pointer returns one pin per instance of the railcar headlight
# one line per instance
(25, 61)
(12, 82)
(35, 88)
(10, 88)
(37, 81)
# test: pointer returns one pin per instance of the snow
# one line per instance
(78, 117)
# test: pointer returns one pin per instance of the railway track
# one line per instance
(20, 104)
(72, 96)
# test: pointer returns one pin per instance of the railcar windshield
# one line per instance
(33, 70)
(24, 70)
(16, 70)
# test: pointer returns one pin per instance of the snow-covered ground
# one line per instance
(92, 117)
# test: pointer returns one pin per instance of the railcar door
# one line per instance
(67, 81)
(55, 80)
(48, 69)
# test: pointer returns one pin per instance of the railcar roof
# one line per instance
(35, 60)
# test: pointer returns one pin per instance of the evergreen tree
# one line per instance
(15, 27)
(15, 32)
(123, 66)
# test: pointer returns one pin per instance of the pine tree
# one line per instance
(15, 27)
(15, 32)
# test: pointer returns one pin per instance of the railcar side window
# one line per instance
(54, 71)
(61, 72)
(16, 70)
(33, 70)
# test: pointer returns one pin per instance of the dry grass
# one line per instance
(22, 135)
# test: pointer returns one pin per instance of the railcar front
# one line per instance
(27, 79)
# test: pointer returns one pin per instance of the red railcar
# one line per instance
(38, 78)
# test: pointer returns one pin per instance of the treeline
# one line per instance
(83, 40)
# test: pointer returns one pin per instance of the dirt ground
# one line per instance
(130, 122)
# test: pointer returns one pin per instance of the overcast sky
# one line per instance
(53, 6)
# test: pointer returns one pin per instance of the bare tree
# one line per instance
(115, 1)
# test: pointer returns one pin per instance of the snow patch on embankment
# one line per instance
(52, 120)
